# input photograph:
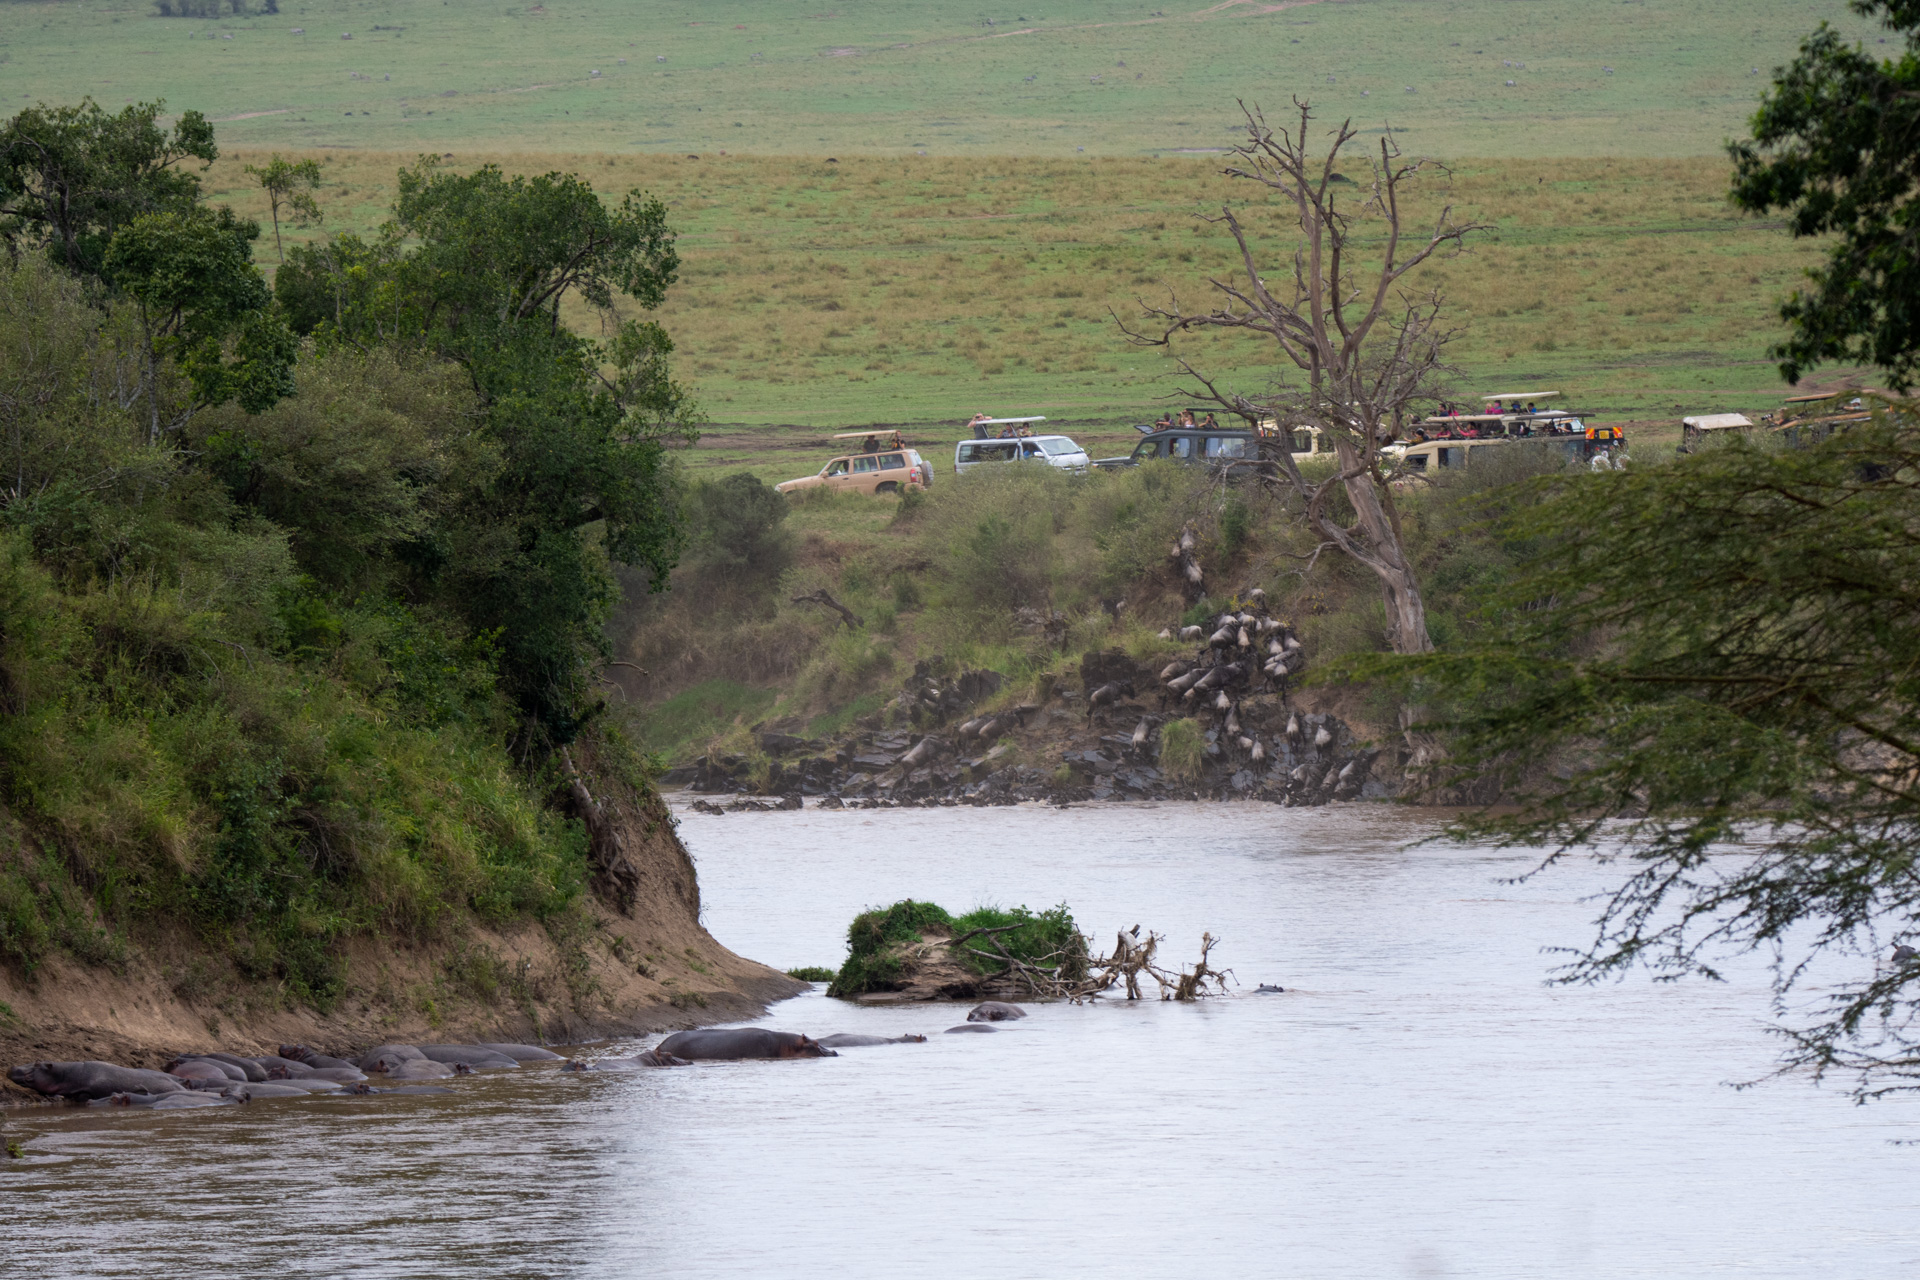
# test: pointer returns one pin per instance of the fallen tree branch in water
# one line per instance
(1073, 977)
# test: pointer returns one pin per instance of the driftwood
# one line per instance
(1071, 975)
(820, 597)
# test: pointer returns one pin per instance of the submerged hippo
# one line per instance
(421, 1069)
(524, 1052)
(165, 1101)
(410, 1090)
(995, 1011)
(965, 1027)
(847, 1041)
(471, 1055)
(639, 1061)
(268, 1089)
(91, 1080)
(726, 1045)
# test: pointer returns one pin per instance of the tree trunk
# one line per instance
(1383, 553)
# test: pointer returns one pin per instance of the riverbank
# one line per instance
(593, 973)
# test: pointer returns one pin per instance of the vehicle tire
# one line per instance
(886, 486)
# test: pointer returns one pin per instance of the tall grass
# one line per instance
(911, 289)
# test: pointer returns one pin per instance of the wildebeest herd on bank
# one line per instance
(217, 1079)
(1229, 697)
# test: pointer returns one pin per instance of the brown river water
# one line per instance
(1419, 1103)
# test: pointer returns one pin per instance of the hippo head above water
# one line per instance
(805, 1046)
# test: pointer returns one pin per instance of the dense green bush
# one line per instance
(737, 534)
(876, 937)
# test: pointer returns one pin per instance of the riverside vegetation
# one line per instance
(298, 638)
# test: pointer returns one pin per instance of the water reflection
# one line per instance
(1417, 1104)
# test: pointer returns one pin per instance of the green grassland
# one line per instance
(1017, 77)
(911, 290)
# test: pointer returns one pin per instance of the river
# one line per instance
(1419, 1103)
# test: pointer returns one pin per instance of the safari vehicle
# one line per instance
(1701, 428)
(892, 469)
(1055, 451)
(1437, 455)
(1230, 448)
(1512, 415)
(1806, 420)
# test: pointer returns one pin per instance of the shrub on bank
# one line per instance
(887, 945)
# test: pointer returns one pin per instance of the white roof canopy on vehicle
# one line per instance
(997, 421)
(1717, 421)
(1522, 395)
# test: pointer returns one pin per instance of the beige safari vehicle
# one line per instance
(883, 465)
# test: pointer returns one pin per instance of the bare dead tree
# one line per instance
(1358, 349)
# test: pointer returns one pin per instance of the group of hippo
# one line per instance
(732, 1044)
(225, 1079)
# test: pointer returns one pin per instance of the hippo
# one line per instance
(524, 1052)
(268, 1089)
(309, 1085)
(723, 1045)
(388, 1054)
(645, 1058)
(199, 1070)
(413, 1090)
(1264, 990)
(469, 1054)
(286, 1068)
(253, 1071)
(846, 1041)
(965, 1027)
(164, 1101)
(90, 1080)
(312, 1057)
(421, 1069)
(995, 1011)
(340, 1075)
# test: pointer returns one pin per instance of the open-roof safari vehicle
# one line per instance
(1233, 448)
(883, 464)
(1016, 440)
(1697, 430)
(1806, 420)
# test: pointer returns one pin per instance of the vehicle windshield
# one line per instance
(1059, 446)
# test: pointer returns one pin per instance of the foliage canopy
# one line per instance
(1719, 661)
(1834, 144)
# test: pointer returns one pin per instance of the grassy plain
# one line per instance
(911, 290)
(1015, 77)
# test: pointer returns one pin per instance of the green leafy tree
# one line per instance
(1836, 144)
(1708, 673)
(71, 177)
(289, 185)
(476, 268)
(203, 306)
